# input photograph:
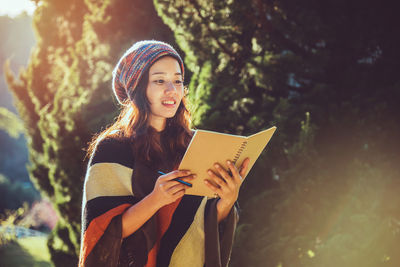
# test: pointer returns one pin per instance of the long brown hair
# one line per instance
(133, 123)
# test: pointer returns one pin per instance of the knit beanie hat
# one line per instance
(135, 61)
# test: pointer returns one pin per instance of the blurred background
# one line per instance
(325, 191)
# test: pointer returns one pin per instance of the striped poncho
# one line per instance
(184, 233)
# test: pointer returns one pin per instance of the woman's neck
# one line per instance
(158, 123)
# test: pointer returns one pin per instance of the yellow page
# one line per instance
(207, 148)
(255, 145)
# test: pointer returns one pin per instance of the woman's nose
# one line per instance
(170, 87)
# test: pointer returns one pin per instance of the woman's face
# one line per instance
(164, 89)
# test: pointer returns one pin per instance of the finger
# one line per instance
(188, 178)
(243, 168)
(235, 172)
(214, 188)
(184, 182)
(176, 188)
(165, 186)
(179, 194)
(224, 174)
(175, 174)
(218, 180)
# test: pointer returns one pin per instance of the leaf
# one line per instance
(11, 123)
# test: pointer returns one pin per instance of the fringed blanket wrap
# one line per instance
(184, 233)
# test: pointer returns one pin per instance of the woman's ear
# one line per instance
(185, 90)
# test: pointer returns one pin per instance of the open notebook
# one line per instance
(208, 147)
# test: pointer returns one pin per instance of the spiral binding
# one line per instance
(239, 152)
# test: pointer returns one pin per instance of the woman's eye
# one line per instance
(161, 81)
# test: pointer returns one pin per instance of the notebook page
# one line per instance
(255, 145)
(205, 149)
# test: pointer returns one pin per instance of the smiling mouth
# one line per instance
(169, 102)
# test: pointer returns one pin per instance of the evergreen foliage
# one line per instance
(324, 193)
(325, 74)
(64, 96)
(10, 123)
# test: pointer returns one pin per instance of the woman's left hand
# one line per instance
(226, 185)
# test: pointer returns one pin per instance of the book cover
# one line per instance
(208, 147)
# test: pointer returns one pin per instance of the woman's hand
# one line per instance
(167, 190)
(226, 185)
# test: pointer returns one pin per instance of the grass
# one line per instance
(26, 252)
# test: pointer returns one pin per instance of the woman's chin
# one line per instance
(170, 116)
(167, 115)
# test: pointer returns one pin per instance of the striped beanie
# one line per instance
(135, 62)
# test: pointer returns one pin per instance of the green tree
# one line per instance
(64, 96)
(10, 123)
(325, 74)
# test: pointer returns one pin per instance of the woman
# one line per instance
(132, 215)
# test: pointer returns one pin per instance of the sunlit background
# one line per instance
(13, 8)
(325, 192)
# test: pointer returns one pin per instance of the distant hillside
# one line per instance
(17, 40)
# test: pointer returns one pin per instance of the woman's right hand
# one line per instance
(167, 190)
